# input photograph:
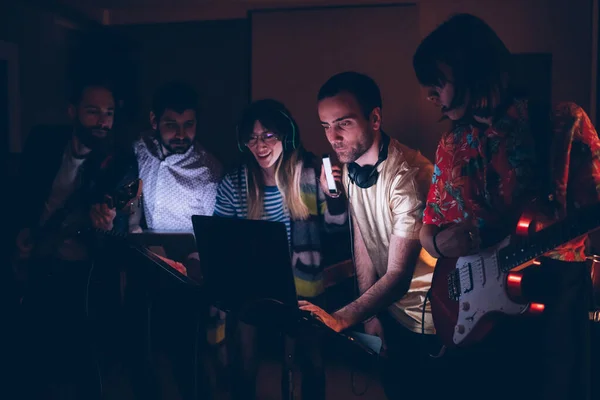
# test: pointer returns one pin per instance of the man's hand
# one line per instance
(102, 217)
(24, 243)
(374, 327)
(331, 320)
(458, 240)
(337, 176)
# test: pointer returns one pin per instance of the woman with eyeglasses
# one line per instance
(280, 181)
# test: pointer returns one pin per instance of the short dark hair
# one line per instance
(361, 86)
(81, 85)
(176, 96)
(480, 62)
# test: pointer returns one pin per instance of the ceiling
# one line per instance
(144, 11)
(139, 4)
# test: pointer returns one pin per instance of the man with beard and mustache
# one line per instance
(180, 180)
(54, 156)
(386, 184)
(63, 178)
(180, 177)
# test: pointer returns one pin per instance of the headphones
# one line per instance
(290, 142)
(366, 176)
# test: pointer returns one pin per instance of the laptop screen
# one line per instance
(244, 261)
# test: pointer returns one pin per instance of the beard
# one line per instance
(97, 138)
(350, 153)
(178, 146)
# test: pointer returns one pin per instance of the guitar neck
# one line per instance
(110, 234)
(577, 224)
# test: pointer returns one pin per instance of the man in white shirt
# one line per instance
(180, 177)
(386, 183)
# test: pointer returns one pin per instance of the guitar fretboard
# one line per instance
(579, 223)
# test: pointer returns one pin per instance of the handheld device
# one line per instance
(329, 175)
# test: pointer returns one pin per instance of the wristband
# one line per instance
(436, 248)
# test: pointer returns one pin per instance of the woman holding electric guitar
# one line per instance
(503, 150)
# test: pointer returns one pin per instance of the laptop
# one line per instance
(247, 270)
(244, 261)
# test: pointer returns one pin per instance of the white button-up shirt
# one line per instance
(178, 186)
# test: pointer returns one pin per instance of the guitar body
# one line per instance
(49, 238)
(468, 295)
(72, 223)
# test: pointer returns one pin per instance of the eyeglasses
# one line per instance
(268, 138)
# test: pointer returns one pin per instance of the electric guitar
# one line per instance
(469, 293)
(71, 222)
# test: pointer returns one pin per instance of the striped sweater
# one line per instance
(325, 215)
(233, 202)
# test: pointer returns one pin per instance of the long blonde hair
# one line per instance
(288, 168)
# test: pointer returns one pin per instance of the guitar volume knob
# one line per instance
(460, 329)
(466, 306)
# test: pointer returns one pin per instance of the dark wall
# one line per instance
(105, 54)
(42, 55)
(295, 52)
(533, 74)
(4, 114)
(212, 56)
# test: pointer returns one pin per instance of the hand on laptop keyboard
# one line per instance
(313, 320)
(333, 321)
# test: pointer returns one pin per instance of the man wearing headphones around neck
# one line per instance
(180, 177)
(386, 184)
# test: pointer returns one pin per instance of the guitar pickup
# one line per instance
(481, 272)
(454, 285)
(466, 278)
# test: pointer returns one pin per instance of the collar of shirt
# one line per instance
(174, 158)
(177, 187)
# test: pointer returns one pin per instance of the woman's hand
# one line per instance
(458, 240)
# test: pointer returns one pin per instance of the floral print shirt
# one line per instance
(486, 174)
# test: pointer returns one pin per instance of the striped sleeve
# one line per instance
(227, 199)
